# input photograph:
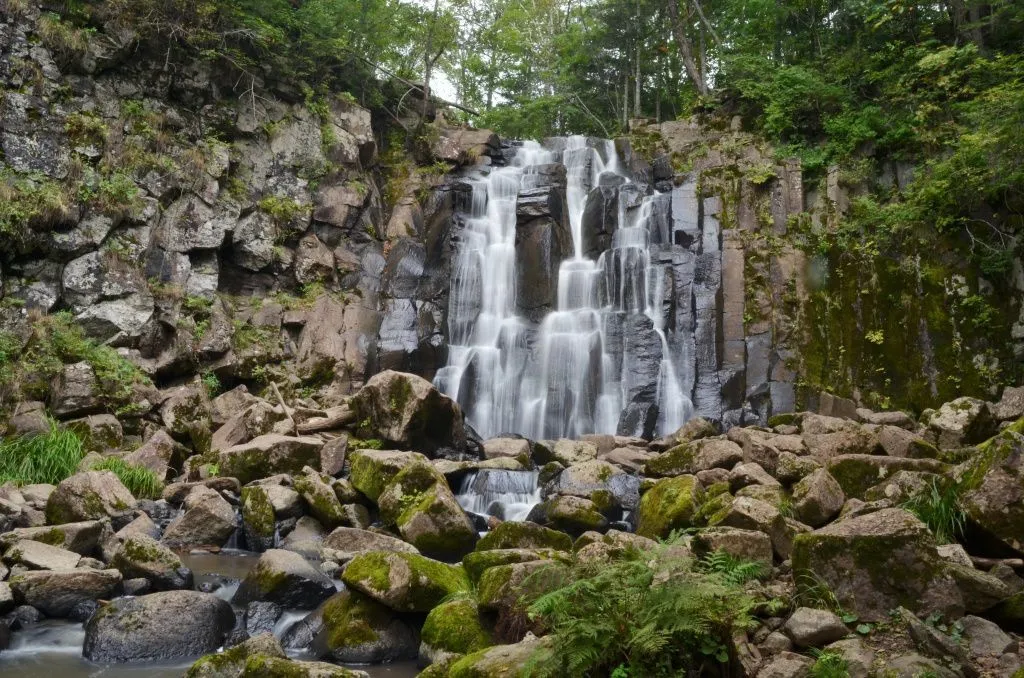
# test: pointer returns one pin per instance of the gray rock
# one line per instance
(507, 447)
(74, 392)
(817, 498)
(269, 454)
(57, 592)
(88, 496)
(407, 410)
(985, 638)
(142, 556)
(284, 578)
(348, 542)
(38, 556)
(158, 626)
(787, 665)
(808, 627)
(743, 544)
(962, 422)
(208, 520)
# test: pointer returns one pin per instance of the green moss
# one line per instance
(352, 619)
(526, 535)
(427, 583)
(672, 503)
(257, 511)
(674, 462)
(477, 562)
(138, 550)
(322, 500)
(456, 627)
(784, 419)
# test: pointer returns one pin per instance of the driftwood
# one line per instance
(337, 417)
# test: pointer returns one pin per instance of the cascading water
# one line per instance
(508, 495)
(603, 349)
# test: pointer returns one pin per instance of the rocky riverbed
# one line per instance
(359, 551)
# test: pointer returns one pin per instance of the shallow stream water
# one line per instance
(53, 648)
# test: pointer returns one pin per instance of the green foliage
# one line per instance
(649, 614)
(40, 458)
(140, 481)
(211, 383)
(829, 664)
(57, 340)
(731, 569)
(28, 201)
(939, 508)
(283, 210)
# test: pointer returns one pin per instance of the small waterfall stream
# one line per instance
(601, 360)
(508, 495)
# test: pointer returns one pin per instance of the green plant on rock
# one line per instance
(731, 569)
(48, 457)
(140, 481)
(829, 664)
(211, 383)
(649, 614)
(939, 508)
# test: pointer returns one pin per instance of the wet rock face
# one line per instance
(158, 626)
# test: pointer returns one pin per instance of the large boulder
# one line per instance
(350, 627)
(208, 520)
(158, 626)
(699, 455)
(809, 627)
(88, 496)
(407, 410)
(36, 555)
(962, 422)
(269, 454)
(259, 521)
(57, 593)
(254, 421)
(420, 504)
(452, 629)
(500, 661)
(875, 563)
(515, 535)
(321, 498)
(141, 556)
(817, 498)
(670, 505)
(284, 578)
(348, 542)
(161, 454)
(262, 657)
(82, 537)
(373, 470)
(993, 480)
(751, 545)
(405, 582)
(857, 473)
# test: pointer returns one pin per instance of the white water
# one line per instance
(573, 374)
(509, 495)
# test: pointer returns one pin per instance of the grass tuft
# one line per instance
(140, 481)
(40, 458)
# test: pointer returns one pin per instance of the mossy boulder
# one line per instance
(88, 496)
(349, 627)
(502, 661)
(993, 480)
(672, 503)
(407, 410)
(961, 422)
(285, 578)
(747, 513)
(453, 628)
(373, 470)
(259, 523)
(55, 593)
(320, 497)
(743, 544)
(231, 663)
(269, 454)
(856, 473)
(479, 561)
(420, 504)
(875, 563)
(82, 537)
(405, 582)
(699, 455)
(516, 535)
(507, 586)
(817, 498)
(142, 556)
(573, 515)
(348, 542)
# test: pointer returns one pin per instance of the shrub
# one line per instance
(140, 481)
(40, 458)
(650, 614)
(829, 664)
(939, 508)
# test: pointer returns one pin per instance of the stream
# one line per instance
(53, 648)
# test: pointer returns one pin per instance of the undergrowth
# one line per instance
(939, 508)
(40, 458)
(650, 614)
(140, 481)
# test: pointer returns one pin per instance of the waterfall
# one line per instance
(602, 359)
(508, 495)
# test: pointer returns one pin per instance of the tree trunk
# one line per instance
(686, 49)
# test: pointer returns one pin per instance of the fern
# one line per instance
(733, 570)
(829, 664)
(648, 614)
